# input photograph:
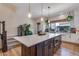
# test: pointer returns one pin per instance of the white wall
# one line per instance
(76, 21)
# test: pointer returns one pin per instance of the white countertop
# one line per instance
(31, 40)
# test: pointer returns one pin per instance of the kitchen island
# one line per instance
(35, 45)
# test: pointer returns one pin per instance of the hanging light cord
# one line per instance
(41, 9)
(48, 11)
(29, 7)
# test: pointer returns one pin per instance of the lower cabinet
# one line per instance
(46, 48)
(57, 43)
(40, 49)
(50, 48)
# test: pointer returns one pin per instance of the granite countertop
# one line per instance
(34, 39)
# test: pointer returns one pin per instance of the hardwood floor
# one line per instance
(66, 49)
(12, 52)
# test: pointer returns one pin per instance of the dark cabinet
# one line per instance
(45, 48)
(40, 49)
(50, 48)
(57, 43)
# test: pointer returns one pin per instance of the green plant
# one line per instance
(27, 30)
(69, 18)
(24, 30)
(46, 21)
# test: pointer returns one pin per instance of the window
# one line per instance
(60, 27)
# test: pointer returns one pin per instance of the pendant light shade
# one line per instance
(29, 15)
(42, 19)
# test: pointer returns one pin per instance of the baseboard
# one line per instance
(70, 42)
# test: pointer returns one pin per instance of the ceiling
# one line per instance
(21, 9)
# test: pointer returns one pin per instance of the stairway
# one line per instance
(11, 43)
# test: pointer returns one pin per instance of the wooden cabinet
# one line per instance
(50, 48)
(40, 49)
(45, 48)
(57, 43)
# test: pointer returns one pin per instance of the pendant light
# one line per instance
(42, 12)
(29, 13)
(48, 14)
(48, 20)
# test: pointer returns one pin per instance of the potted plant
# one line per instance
(69, 18)
(27, 30)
